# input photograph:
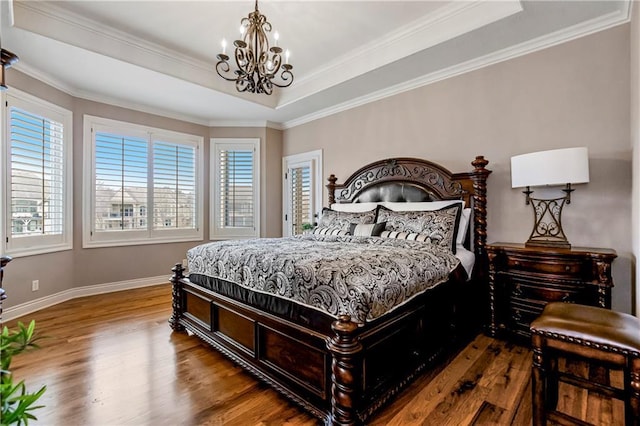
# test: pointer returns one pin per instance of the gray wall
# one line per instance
(574, 94)
(79, 267)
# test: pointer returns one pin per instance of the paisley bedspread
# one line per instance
(364, 277)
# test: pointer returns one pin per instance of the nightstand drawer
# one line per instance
(548, 291)
(567, 267)
(522, 312)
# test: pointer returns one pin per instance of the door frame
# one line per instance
(315, 158)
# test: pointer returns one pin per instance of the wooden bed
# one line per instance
(343, 373)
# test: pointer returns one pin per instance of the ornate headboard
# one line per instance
(413, 179)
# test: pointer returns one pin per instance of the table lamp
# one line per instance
(548, 168)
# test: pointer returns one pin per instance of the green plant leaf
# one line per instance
(16, 403)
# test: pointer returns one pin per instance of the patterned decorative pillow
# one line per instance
(368, 230)
(343, 220)
(439, 226)
(330, 231)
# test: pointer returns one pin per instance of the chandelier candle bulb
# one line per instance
(276, 36)
(286, 56)
(224, 46)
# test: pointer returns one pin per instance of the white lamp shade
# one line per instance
(555, 167)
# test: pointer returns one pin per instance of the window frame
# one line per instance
(314, 158)
(92, 238)
(36, 244)
(215, 231)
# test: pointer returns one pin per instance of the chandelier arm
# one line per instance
(287, 77)
(223, 65)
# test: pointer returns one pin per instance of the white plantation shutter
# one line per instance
(235, 188)
(38, 214)
(235, 181)
(174, 185)
(301, 191)
(121, 164)
(36, 174)
(145, 184)
(300, 195)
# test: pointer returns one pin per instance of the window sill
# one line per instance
(138, 242)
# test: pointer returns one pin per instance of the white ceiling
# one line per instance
(159, 56)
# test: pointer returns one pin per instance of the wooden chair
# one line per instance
(611, 339)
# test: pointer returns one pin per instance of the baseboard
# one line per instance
(90, 290)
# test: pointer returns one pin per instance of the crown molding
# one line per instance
(583, 29)
(89, 96)
(445, 23)
(588, 27)
(38, 13)
(80, 94)
(43, 77)
(238, 123)
(49, 20)
(107, 100)
(449, 21)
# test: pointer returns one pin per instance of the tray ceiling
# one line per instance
(159, 56)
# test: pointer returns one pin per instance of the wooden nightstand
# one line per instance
(522, 280)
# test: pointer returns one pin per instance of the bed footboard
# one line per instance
(342, 376)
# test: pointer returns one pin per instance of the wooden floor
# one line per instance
(113, 360)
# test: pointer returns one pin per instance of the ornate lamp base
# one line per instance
(547, 229)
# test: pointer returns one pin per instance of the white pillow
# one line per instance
(368, 230)
(353, 207)
(465, 219)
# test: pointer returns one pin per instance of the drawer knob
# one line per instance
(567, 268)
(517, 316)
(516, 263)
(517, 291)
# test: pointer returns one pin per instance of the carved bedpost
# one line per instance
(176, 302)
(346, 382)
(493, 325)
(331, 186)
(479, 177)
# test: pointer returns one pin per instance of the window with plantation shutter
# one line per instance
(302, 192)
(144, 184)
(300, 189)
(235, 211)
(120, 186)
(38, 173)
(174, 185)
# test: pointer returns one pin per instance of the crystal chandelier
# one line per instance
(258, 66)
